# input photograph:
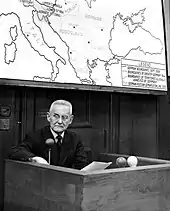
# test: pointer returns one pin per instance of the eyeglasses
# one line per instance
(62, 117)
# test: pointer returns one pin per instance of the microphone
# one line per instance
(49, 142)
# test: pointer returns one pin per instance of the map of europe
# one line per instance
(95, 42)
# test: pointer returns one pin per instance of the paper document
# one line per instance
(95, 165)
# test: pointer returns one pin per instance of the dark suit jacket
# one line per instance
(72, 150)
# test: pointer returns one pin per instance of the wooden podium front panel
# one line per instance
(142, 188)
(35, 187)
(30, 187)
(128, 189)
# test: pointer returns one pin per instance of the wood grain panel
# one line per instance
(164, 126)
(42, 188)
(145, 127)
(138, 125)
(38, 187)
(10, 137)
(125, 125)
(128, 189)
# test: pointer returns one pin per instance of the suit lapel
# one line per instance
(47, 134)
(66, 146)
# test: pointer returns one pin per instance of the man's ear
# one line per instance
(71, 118)
(48, 116)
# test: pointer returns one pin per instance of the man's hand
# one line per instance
(39, 160)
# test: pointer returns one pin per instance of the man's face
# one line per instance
(59, 118)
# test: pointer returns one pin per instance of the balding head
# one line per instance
(61, 102)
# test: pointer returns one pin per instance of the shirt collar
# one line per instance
(55, 135)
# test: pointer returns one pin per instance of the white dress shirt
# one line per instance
(55, 135)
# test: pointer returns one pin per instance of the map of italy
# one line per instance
(89, 42)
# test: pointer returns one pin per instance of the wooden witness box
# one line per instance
(36, 187)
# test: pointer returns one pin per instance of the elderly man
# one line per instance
(67, 150)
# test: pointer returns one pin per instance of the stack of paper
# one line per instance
(95, 165)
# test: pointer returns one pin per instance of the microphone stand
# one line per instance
(49, 155)
(49, 142)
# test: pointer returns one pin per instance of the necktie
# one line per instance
(59, 138)
(56, 150)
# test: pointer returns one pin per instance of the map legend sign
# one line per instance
(143, 75)
(109, 45)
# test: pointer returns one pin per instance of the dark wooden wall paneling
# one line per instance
(138, 125)
(164, 127)
(11, 98)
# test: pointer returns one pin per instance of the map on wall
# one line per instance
(113, 43)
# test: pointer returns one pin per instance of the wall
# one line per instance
(8, 137)
(138, 125)
(164, 125)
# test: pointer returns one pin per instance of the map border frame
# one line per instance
(73, 86)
